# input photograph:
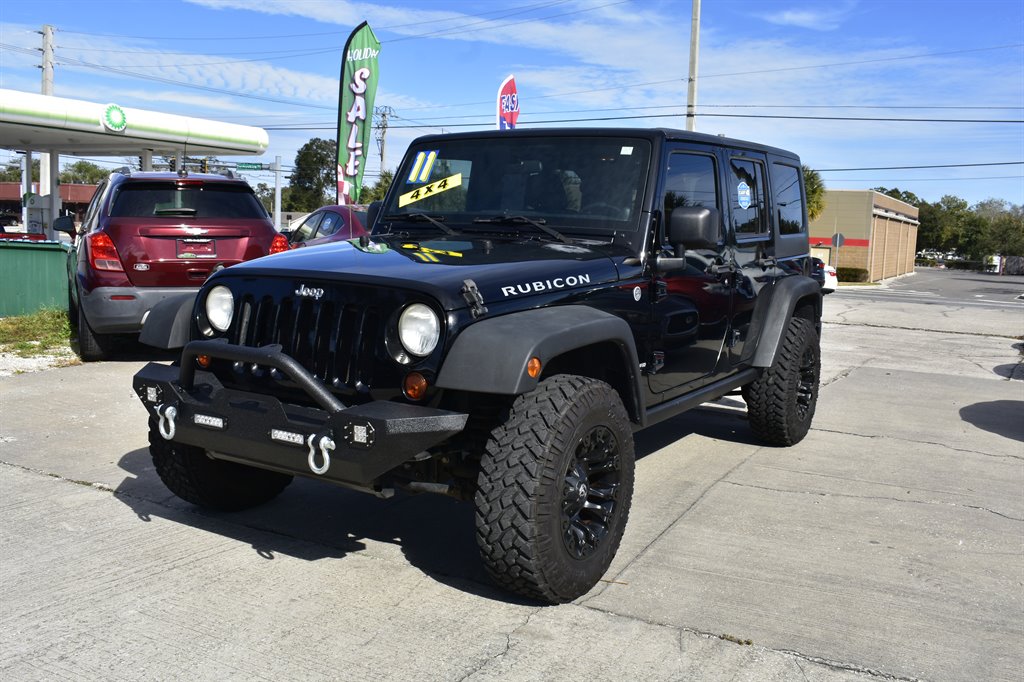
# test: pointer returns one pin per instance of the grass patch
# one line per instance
(40, 333)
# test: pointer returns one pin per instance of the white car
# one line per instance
(825, 275)
(831, 280)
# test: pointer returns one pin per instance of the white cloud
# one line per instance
(819, 18)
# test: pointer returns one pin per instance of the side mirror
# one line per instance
(66, 224)
(694, 227)
(372, 211)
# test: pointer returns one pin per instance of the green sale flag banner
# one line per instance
(359, 75)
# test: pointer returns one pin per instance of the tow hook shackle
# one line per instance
(165, 415)
(325, 444)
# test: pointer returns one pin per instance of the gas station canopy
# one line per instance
(69, 126)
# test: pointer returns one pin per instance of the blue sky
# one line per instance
(442, 62)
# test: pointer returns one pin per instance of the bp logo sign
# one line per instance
(114, 119)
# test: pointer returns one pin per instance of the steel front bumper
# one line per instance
(349, 445)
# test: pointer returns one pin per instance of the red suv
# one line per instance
(147, 236)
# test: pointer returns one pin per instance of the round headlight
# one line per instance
(419, 329)
(220, 307)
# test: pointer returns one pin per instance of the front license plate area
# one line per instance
(197, 248)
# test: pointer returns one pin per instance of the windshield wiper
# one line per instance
(539, 223)
(422, 217)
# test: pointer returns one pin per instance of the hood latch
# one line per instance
(473, 298)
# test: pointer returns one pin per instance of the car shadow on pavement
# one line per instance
(314, 521)
(1001, 417)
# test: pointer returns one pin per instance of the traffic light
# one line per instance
(172, 164)
(206, 164)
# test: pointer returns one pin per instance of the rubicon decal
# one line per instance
(545, 285)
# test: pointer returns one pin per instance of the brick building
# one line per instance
(880, 233)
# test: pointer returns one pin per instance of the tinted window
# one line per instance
(786, 186)
(690, 181)
(746, 196)
(166, 199)
(329, 225)
(306, 229)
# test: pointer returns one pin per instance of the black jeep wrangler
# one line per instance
(525, 301)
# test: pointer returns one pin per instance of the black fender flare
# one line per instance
(491, 356)
(169, 322)
(773, 312)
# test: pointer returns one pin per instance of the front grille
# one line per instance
(334, 338)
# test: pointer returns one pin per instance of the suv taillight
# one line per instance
(103, 253)
(279, 245)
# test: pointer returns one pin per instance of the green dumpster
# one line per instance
(33, 276)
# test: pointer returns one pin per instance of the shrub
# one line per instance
(852, 274)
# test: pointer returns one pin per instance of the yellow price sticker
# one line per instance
(436, 187)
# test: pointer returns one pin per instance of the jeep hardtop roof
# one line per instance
(655, 135)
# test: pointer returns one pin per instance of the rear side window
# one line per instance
(168, 200)
(747, 196)
(786, 187)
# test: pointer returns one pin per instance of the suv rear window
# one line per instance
(167, 199)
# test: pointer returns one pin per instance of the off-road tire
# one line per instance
(781, 402)
(531, 542)
(91, 346)
(195, 477)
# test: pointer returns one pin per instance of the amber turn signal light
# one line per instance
(203, 361)
(415, 386)
(533, 368)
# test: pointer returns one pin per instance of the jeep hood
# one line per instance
(502, 269)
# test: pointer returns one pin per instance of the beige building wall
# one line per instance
(880, 233)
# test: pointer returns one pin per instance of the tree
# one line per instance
(265, 193)
(897, 193)
(1005, 234)
(12, 171)
(815, 188)
(379, 189)
(313, 180)
(83, 173)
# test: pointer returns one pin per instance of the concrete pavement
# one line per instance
(887, 545)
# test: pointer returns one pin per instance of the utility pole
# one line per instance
(382, 129)
(691, 87)
(277, 192)
(49, 163)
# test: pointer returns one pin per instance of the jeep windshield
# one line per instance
(542, 187)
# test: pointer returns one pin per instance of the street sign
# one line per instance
(251, 166)
(838, 239)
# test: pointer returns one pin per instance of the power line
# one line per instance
(957, 178)
(680, 114)
(940, 165)
(868, 118)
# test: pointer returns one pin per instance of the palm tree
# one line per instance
(815, 188)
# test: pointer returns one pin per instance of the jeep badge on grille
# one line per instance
(309, 292)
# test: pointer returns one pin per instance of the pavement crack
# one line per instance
(920, 442)
(508, 646)
(871, 497)
(797, 656)
(921, 329)
(674, 521)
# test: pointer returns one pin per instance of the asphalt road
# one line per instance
(889, 544)
(932, 286)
